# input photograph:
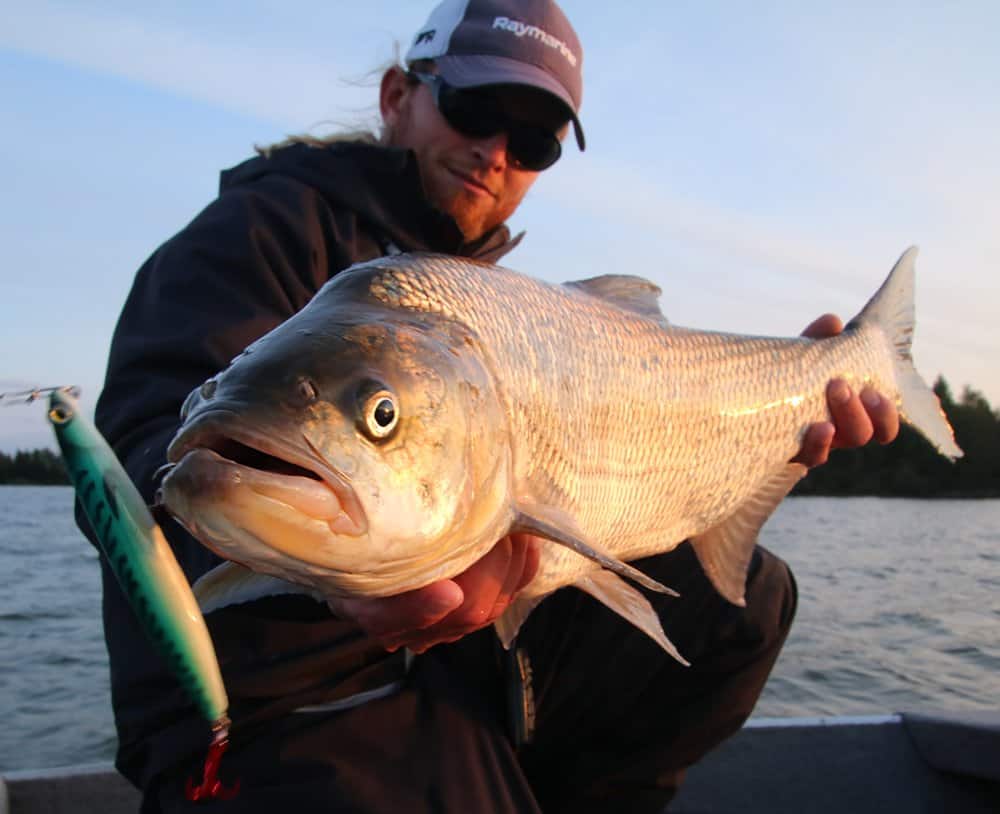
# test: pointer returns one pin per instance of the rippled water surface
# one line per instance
(899, 606)
(899, 609)
(54, 682)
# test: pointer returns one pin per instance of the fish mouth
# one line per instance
(219, 447)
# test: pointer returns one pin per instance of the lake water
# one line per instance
(899, 609)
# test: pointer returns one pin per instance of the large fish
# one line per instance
(421, 407)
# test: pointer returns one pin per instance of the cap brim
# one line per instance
(473, 71)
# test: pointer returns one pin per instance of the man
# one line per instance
(329, 712)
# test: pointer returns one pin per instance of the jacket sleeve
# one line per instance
(250, 260)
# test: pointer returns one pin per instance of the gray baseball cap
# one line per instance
(505, 42)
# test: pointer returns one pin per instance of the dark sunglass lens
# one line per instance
(469, 113)
(476, 114)
(533, 148)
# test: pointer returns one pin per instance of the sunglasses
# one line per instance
(476, 114)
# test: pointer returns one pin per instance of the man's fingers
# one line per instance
(824, 327)
(854, 419)
(854, 427)
(816, 445)
(386, 617)
(515, 567)
(523, 567)
(447, 610)
(482, 585)
(532, 557)
(883, 415)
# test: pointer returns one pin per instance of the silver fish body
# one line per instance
(574, 411)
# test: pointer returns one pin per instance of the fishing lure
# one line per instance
(148, 572)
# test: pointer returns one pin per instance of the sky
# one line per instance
(763, 162)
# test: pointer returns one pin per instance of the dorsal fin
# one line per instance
(627, 291)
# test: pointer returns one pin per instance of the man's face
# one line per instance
(471, 179)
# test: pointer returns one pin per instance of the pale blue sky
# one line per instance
(762, 162)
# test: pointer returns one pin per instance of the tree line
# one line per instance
(37, 466)
(909, 467)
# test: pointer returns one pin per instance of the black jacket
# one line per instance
(281, 227)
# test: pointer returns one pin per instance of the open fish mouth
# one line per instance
(218, 454)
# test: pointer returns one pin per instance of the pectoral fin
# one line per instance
(233, 584)
(560, 528)
(724, 551)
(628, 603)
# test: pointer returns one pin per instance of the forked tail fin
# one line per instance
(892, 309)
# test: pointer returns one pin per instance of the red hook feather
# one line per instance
(211, 787)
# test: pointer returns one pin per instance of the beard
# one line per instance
(474, 214)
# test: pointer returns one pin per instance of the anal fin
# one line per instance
(628, 603)
(724, 551)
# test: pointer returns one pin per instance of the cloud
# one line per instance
(620, 193)
(292, 88)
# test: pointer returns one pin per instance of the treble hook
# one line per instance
(35, 393)
(211, 787)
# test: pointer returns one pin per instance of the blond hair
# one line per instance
(373, 133)
(308, 139)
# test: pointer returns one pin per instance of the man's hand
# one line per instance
(856, 418)
(446, 610)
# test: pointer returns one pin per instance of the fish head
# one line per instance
(357, 451)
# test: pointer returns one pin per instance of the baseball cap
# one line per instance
(505, 42)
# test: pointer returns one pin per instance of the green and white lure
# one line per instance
(148, 572)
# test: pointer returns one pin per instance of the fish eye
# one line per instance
(379, 414)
